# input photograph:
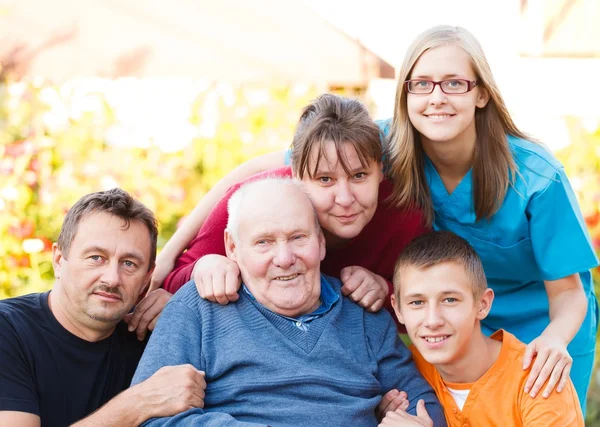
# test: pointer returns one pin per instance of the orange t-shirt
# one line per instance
(498, 399)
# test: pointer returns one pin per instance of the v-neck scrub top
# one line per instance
(537, 234)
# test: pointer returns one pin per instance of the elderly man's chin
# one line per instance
(291, 296)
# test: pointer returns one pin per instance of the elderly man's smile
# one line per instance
(287, 278)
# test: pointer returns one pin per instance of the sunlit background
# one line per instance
(164, 98)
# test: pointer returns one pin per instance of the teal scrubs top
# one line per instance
(537, 234)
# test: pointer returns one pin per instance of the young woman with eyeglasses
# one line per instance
(454, 152)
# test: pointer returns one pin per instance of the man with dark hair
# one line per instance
(67, 352)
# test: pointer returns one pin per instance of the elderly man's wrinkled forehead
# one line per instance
(268, 199)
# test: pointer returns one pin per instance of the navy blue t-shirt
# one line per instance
(46, 370)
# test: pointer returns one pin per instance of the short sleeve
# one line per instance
(561, 243)
(17, 385)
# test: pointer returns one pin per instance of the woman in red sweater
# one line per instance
(336, 153)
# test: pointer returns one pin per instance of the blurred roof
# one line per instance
(226, 40)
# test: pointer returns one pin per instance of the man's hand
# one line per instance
(163, 266)
(146, 313)
(367, 289)
(400, 418)
(553, 362)
(391, 401)
(217, 279)
(171, 390)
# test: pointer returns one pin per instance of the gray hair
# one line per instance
(265, 186)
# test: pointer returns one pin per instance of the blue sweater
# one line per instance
(261, 369)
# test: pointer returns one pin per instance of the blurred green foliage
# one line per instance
(60, 143)
(582, 163)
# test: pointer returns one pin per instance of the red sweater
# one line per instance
(376, 248)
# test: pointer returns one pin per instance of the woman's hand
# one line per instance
(553, 362)
(367, 289)
(217, 279)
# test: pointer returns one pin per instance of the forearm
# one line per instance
(123, 410)
(193, 222)
(567, 312)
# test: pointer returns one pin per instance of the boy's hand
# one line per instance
(400, 418)
(217, 279)
(367, 289)
(553, 361)
(391, 401)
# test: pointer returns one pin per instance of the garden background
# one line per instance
(168, 138)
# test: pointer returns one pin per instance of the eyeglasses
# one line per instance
(449, 87)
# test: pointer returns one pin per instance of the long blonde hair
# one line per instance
(494, 168)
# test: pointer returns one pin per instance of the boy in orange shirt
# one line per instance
(441, 296)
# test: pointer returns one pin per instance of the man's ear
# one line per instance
(322, 247)
(396, 307)
(57, 259)
(230, 246)
(147, 278)
(485, 303)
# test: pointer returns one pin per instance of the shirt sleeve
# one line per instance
(557, 410)
(397, 370)
(561, 244)
(17, 385)
(210, 240)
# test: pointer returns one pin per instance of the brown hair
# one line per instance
(115, 202)
(436, 247)
(332, 118)
(494, 168)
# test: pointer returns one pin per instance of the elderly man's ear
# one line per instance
(322, 249)
(230, 246)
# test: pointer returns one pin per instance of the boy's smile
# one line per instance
(441, 313)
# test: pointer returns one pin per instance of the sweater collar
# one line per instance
(328, 299)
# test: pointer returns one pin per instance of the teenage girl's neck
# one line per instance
(452, 159)
(479, 356)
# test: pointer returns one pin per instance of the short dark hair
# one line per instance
(115, 202)
(332, 118)
(441, 246)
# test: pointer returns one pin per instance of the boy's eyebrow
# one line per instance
(449, 292)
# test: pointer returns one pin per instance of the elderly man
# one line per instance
(66, 352)
(292, 351)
